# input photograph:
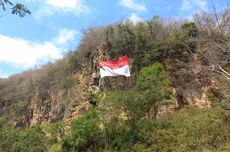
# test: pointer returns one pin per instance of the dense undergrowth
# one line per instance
(190, 129)
(128, 123)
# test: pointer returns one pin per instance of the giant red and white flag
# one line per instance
(116, 67)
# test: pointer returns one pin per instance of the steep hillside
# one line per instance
(177, 98)
(64, 90)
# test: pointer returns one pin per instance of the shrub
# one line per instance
(32, 139)
(28, 140)
(128, 101)
(85, 134)
(66, 82)
(193, 129)
(154, 84)
(116, 134)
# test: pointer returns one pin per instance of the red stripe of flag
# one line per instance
(114, 64)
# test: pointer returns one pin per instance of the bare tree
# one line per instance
(214, 37)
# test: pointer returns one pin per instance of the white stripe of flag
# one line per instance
(115, 67)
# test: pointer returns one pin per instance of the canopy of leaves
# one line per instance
(154, 84)
(85, 134)
(18, 8)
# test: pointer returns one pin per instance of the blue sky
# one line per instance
(55, 26)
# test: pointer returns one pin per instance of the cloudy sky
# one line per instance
(55, 26)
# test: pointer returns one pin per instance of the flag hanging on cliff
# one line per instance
(116, 67)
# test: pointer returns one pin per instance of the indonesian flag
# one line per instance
(116, 67)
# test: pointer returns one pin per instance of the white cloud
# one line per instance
(135, 19)
(43, 11)
(75, 6)
(62, 4)
(202, 4)
(132, 5)
(27, 54)
(24, 53)
(65, 36)
(3, 75)
(188, 5)
(50, 7)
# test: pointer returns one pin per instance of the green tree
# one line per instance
(129, 102)
(193, 129)
(116, 134)
(31, 140)
(141, 45)
(120, 40)
(2, 123)
(18, 8)
(154, 84)
(8, 137)
(120, 126)
(85, 134)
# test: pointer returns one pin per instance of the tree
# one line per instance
(31, 139)
(214, 35)
(121, 125)
(85, 134)
(18, 8)
(154, 84)
(129, 102)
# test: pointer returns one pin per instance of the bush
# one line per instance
(129, 102)
(154, 84)
(85, 134)
(55, 130)
(193, 129)
(32, 139)
(66, 82)
(116, 134)
(16, 140)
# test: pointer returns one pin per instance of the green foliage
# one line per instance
(31, 139)
(43, 85)
(120, 40)
(55, 130)
(95, 98)
(116, 133)
(213, 98)
(85, 134)
(11, 140)
(123, 125)
(57, 147)
(204, 129)
(129, 102)
(193, 129)
(154, 84)
(19, 107)
(189, 26)
(67, 82)
(16, 140)
(18, 8)
(145, 127)
(190, 129)
(71, 64)
(119, 130)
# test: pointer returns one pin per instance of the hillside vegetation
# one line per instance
(177, 98)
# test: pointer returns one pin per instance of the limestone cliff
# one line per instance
(63, 91)
(69, 104)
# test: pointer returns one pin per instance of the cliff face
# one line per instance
(64, 90)
(49, 100)
(67, 104)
